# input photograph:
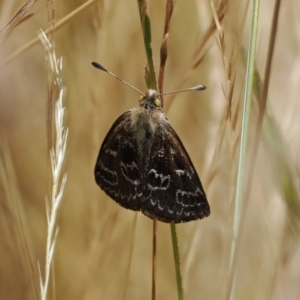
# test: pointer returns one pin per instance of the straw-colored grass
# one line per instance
(97, 240)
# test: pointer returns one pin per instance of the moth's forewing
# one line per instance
(117, 171)
(175, 193)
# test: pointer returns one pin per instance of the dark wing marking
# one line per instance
(117, 171)
(174, 191)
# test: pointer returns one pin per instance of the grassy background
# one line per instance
(92, 252)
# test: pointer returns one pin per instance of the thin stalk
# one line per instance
(125, 292)
(150, 79)
(18, 18)
(243, 144)
(260, 121)
(163, 58)
(177, 261)
(151, 83)
(164, 46)
(154, 259)
(150, 76)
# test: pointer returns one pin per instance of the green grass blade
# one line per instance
(244, 139)
(176, 261)
(150, 76)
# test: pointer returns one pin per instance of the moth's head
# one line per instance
(150, 99)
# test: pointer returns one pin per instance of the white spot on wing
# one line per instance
(131, 166)
(172, 151)
(162, 181)
(106, 170)
(161, 152)
(111, 152)
(180, 193)
(183, 172)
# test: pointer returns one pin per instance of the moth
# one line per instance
(143, 165)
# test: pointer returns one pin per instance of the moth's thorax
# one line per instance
(146, 119)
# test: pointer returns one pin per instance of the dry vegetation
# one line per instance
(93, 245)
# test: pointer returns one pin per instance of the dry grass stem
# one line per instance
(20, 239)
(164, 46)
(16, 20)
(54, 28)
(131, 249)
(57, 156)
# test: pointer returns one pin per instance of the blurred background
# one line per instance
(93, 243)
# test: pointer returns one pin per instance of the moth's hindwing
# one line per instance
(175, 193)
(117, 171)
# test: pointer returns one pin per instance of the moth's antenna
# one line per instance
(98, 66)
(193, 88)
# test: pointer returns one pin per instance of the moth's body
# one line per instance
(146, 118)
(143, 165)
